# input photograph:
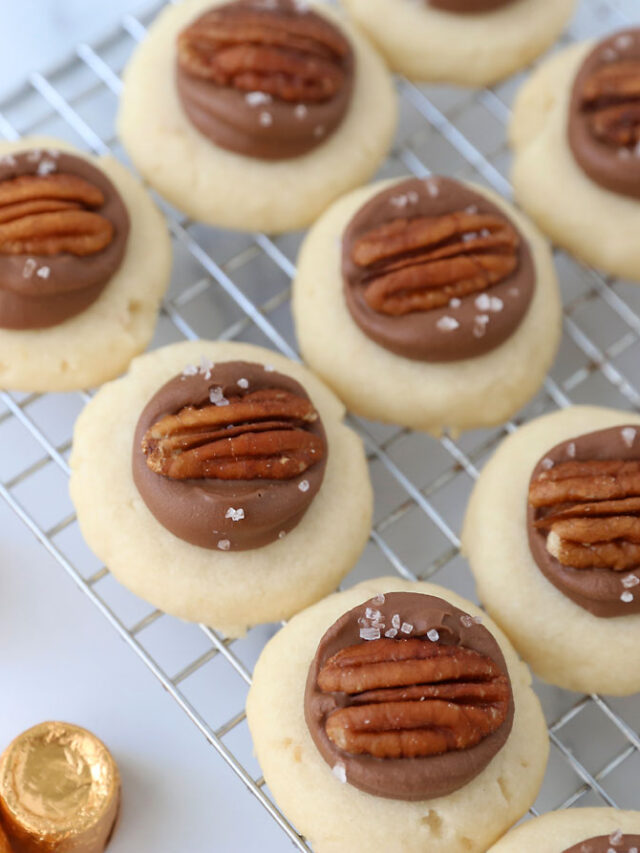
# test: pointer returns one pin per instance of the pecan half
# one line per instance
(262, 435)
(592, 512)
(294, 57)
(413, 698)
(50, 214)
(611, 96)
(422, 263)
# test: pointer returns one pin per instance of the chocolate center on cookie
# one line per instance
(433, 271)
(63, 235)
(583, 520)
(408, 697)
(468, 6)
(267, 80)
(229, 456)
(604, 114)
(617, 841)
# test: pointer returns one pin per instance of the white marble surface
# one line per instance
(38, 33)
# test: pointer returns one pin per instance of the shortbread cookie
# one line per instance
(428, 303)
(551, 537)
(468, 42)
(263, 134)
(217, 481)
(575, 831)
(356, 705)
(576, 169)
(79, 285)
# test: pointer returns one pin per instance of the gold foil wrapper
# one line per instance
(59, 791)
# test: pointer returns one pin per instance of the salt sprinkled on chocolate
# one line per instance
(455, 302)
(282, 534)
(629, 435)
(466, 620)
(190, 370)
(266, 119)
(627, 597)
(433, 635)
(378, 598)
(406, 628)
(44, 272)
(395, 620)
(340, 772)
(206, 366)
(391, 633)
(548, 464)
(255, 99)
(224, 544)
(432, 187)
(243, 383)
(29, 268)
(571, 450)
(216, 396)
(616, 837)
(234, 514)
(300, 111)
(303, 485)
(45, 167)
(269, 368)
(447, 324)
(370, 633)
(630, 581)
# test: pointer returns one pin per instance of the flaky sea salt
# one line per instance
(447, 324)
(370, 633)
(243, 383)
(340, 772)
(235, 514)
(433, 635)
(629, 435)
(303, 485)
(224, 544)
(217, 397)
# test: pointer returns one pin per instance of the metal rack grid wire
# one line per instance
(237, 286)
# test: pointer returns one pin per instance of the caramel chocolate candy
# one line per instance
(408, 697)
(229, 456)
(59, 791)
(469, 6)
(604, 114)
(583, 520)
(434, 271)
(267, 80)
(617, 841)
(63, 235)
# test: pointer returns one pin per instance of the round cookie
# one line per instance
(227, 189)
(597, 225)
(425, 394)
(558, 832)
(98, 343)
(434, 45)
(335, 816)
(564, 643)
(233, 590)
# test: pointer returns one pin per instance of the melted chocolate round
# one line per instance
(267, 103)
(466, 327)
(604, 114)
(224, 514)
(469, 6)
(604, 843)
(602, 591)
(404, 778)
(39, 291)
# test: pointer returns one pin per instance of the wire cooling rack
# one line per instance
(237, 286)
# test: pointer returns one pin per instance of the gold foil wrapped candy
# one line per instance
(59, 791)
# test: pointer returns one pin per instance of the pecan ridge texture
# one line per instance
(422, 263)
(413, 698)
(591, 510)
(291, 56)
(611, 100)
(261, 435)
(51, 214)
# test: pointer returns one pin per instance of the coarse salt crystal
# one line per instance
(44, 272)
(224, 544)
(370, 633)
(455, 302)
(616, 837)
(282, 534)
(399, 200)
(447, 324)
(483, 302)
(548, 464)
(269, 368)
(29, 268)
(433, 635)
(255, 99)
(406, 628)
(629, 435)
(413, 197)
(378, 598)
(340, 771)
(243, 383)
(235, 514)
(370, 613)
(627, 597)
(300, 111)
(495, 304)
(480, 325)
(571, 450)
(190, 370)
(391, 633)
(266, 119)
(466, 620)
(432, 187)
(206, 366)
(45, 167)
(217, 397)
(303, 485)
(630, 581)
